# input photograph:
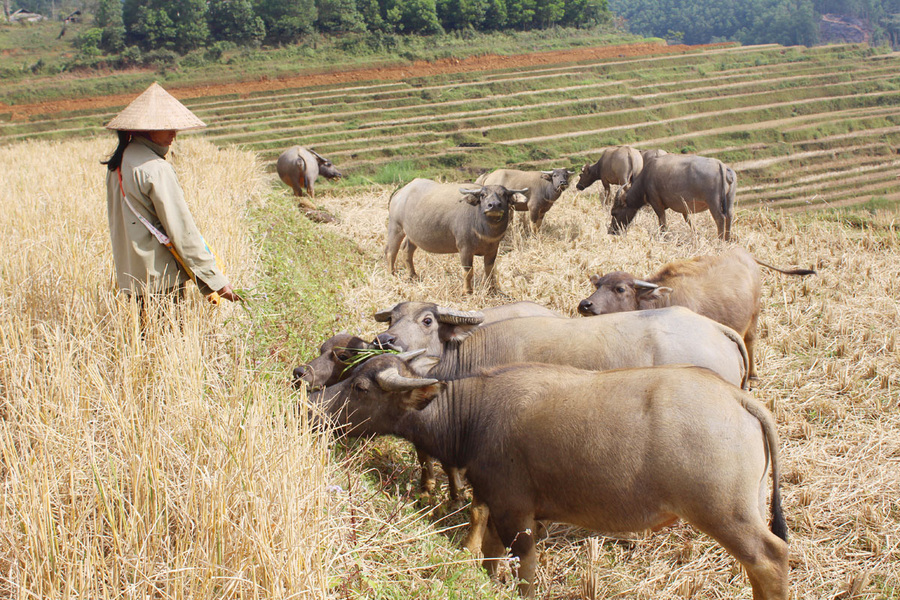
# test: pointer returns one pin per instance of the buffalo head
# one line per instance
(335, 357)
(619, 292)
(374, 397)
(559, 178)
(494, 200)
(424, 325)
(326, 168)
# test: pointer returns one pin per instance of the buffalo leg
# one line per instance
(467, 258)
(605, 192)
(395, 237)
(517, 534)
(426, 484)
(490, 278)
(492, 548)
(478, 524)
(410, 250)
(454, 482)
(750, 342)
(740, 529)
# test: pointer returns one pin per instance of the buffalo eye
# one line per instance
(620, 289)
(344, 357)
(427, 321)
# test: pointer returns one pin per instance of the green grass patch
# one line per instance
(305, 273)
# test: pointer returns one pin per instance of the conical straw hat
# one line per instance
(155, 110)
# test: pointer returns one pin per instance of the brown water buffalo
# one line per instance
(419, 321)
(298, 167)
(725, 288)
(619, 166)
(684, 183)
(619, 451)
(422, 324)
(544, 188)
(446, 218)
(336, 355)
(667, 336)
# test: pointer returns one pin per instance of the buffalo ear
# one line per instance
(657, 293)
(546, 176)
(456, 332)
(595, 280)
(422, 397)
(472, 196)
(384, 315)
(421, 365)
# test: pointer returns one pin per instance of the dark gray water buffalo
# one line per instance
(298, 167)
(544, 188)
(684, 183)
(336, 355)
(724, 288)
(421, 324)
(666, 336)
(618, 166)
(619, 451)
(446, 218)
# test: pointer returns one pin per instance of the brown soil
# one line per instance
(389, 73)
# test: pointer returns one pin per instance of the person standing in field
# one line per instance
(156, 245)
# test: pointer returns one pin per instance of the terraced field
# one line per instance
(804, 127)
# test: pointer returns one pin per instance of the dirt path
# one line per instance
(390, 73)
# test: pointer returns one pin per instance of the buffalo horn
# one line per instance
(644, 285)
(317, 155)
(459, 317)
(470, 191)
(570, 172)
(390, 380)
(410, 354)
(547, 172)
(522, 191)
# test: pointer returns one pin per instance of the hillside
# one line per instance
(803, 127)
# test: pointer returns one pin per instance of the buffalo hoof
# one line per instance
(319, 216)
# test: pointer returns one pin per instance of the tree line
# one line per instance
(185, 25)
(787, 22)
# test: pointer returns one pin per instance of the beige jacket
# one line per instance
(142, 263)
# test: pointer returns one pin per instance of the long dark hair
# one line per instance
(115, 159)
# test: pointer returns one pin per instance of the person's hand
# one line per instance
(229, 294)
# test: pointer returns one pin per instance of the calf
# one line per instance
(624, 450)
(724, 288)
(336, 356)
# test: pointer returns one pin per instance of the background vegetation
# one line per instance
(787, 22)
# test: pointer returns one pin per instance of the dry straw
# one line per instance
(172, 467)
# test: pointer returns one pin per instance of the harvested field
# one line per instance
(176, 465)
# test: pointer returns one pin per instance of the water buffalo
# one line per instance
(419, 320)
(544, 188)
(619, 166)
(447, 218)
(298, 167)
(421, 324)
(619, 451)
(684, 183)
(667, 336)
(336, 355)
(724, 288)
